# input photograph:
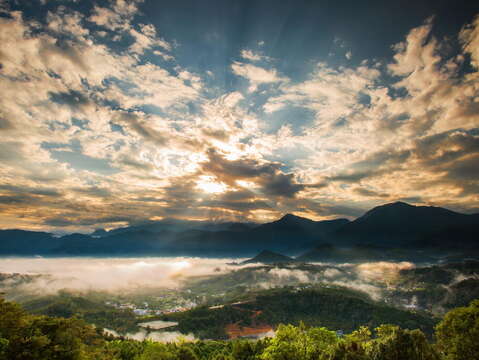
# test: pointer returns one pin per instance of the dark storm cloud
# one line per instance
(268, 175)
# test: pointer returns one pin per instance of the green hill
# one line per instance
(67, 305)
(335, 308)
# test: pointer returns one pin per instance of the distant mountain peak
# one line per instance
(268, 257)
(289, 216)
(393, 205)
(402, 208)
(268, 253)
(397, 206)
(399, 203)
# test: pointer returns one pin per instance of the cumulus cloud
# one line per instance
(256, 75)
(252, 56)
(97, 105)
(116, 17)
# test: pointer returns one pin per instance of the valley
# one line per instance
(251, 299)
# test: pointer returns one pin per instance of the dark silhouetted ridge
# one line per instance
(400, 223)
(268, 257)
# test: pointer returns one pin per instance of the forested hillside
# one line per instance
(30, 337)
(94, 312)
(335, 308)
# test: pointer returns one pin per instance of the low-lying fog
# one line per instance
(104, 274)
(112, 274)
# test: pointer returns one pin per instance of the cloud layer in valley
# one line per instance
(136, 274)
(110, 274)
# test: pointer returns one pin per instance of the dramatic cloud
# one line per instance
(109, 117)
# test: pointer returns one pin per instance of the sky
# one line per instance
(115, 113)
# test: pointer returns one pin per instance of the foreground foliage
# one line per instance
(30, 337)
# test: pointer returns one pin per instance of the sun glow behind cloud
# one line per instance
(107, 120)
(208, 185)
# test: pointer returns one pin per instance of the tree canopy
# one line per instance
(32, 337)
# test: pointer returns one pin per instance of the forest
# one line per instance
(39, 337)
(336, 308)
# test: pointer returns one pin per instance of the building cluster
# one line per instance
(145, 309)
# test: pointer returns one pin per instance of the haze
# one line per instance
(136, 274)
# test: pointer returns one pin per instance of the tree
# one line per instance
(223, 356)
(243, 350)
(299, 343)
(457, 335)
(185, 353)
(27, 337)
(394, 343)
(351, 347)
(126, 349)
(345, 350)
(156, 351)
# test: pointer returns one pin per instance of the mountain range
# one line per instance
(380, 232)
